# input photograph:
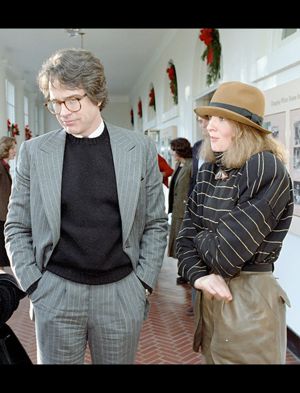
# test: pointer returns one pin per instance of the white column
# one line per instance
(41, 120)
(19, 86)
(31, 105)
(3, 110)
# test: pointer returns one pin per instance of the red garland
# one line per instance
(140, 110)
(212, 53)
(173, 82)
(152, 98)
(131, 117)
(28, 133)
(12, 128)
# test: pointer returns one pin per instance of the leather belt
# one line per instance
(261, 267)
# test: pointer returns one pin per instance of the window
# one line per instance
(36, 120)
(10, 101)
(26, 111)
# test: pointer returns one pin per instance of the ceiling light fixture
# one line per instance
(75, 33)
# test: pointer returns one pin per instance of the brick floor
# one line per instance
(166, 336)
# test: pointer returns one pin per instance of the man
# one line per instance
(86, 229)
(197, 161)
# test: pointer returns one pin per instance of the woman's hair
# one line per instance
(6, 143)
(246, 142)
(182, 147)
(75, 69)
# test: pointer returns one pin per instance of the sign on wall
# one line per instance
(283, 119)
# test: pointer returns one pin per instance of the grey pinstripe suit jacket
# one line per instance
(32, 228)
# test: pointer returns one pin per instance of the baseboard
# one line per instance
(293, 342)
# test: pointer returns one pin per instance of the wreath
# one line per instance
(212, 53)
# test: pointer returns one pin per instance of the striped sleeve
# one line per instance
(190, 265)
(265, 195)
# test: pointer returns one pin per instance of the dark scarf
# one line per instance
(223, 173)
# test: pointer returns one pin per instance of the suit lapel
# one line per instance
(50, 158)
(127, 163)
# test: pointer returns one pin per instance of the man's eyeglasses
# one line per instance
(73, 104)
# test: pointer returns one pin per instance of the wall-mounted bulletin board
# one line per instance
(283, 119)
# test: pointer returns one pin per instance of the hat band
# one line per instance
(241, 111)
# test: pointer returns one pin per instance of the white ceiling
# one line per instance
(124, 53)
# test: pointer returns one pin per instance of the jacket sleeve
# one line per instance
(190, 264)
(154, 237)
(17, 229)
(265, 197)
(165, 167)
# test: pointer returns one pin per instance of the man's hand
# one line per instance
(214, 286)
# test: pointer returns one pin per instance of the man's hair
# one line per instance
(75, 69)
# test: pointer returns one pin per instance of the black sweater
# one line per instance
(90, 247)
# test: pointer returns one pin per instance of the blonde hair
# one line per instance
(6, 143)
(246, 142)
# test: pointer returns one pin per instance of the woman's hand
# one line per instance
(214, 286)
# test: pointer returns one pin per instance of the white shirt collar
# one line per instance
(95, 133)
(98, 131)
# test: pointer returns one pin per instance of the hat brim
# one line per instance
(204, 111)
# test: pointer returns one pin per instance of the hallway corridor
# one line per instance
(166, 336)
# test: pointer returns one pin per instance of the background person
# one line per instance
(178, 193)
(196, 152)
(7, 152)
(165, 169)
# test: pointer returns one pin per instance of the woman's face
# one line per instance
(221, 133)
(12, 152)
(175, 155)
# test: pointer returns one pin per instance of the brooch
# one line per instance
(221, 175)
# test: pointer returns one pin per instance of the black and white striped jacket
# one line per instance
(235, 222)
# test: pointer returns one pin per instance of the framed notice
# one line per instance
(295, 155)
(283, 119)
(276, 123)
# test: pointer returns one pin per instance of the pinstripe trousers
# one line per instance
(69, 316)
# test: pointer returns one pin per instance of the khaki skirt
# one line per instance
(251, 329)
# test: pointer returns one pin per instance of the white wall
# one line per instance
(287, 269)
(178, 47)
(50, 122)
(117, 112)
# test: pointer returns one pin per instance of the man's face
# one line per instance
(82, 122)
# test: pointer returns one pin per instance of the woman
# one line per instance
(179, 189)
(237, 217)
(7, 152)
